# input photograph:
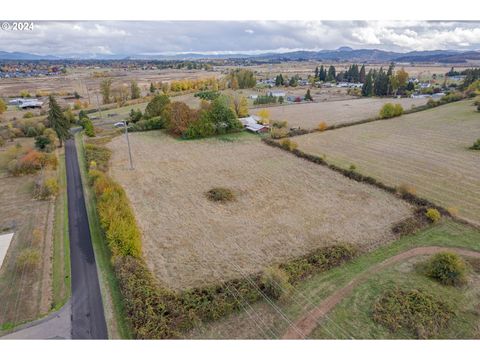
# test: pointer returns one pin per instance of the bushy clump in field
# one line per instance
(31, 162)
(319, 260)
(154, 123)
(278, 133)
(406, 189)
(28, 259)
(99, 154)
(220, 194)
(390, 110)
(413, 311)
(288, 144)
(476, 145)
(276, 283)
(45, 188)
(207, 95)
(433, 215)
(279, 124)
(447, 268)
(322, 126)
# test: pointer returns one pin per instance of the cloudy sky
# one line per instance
(167, 37)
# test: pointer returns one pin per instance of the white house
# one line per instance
(277, 93)
(26, 103)
(251, 124)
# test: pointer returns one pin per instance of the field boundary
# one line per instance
(356, 176)
(308, 323)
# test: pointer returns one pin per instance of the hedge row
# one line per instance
(354, 175)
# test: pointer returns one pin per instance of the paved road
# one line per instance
(57, 325)
(88, 318)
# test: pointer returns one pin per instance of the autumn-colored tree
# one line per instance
(264, 116)
(105, 90)
(239, 104)
(181, 116)
(402, 77)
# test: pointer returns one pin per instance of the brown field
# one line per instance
(309, 115)
(284, 207)
(24, 294)
(427, 149)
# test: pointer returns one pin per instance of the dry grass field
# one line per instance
(284, 206)
(428, 150)
(24, 293)
(309, 115)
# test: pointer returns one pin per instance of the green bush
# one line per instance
(414, 311)
(447, 268)
(318, 260)
(276, 283)
(476, 145)
(220, 194)
(390, 110)
(99, 154)
(154, 123)
(89, 129)
(207, 95)
(433, 215)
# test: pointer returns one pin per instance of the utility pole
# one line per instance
(98, 106)
(128, 143)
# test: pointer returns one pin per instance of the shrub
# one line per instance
(433, 215)
(406, 189)
(89, 129)
(276, 283)
(220, 194)
(154, 123)
(322, 126)
(207, 95)
(318, 260)
(390, 110)
(28, 115)
(447, 268)
(28, 259)
(99, 154)
(279, 124)
(476, 145)
(414, 311)
(45, 189)
(288, 144)
(278, 133)
(31, 162)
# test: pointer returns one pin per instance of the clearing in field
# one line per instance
(283, 207)
(427, 150)
(309, 115)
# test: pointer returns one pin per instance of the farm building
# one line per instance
(277, 93)
(250, 123)
(26, 103)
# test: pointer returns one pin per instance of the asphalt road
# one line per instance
(88, 318)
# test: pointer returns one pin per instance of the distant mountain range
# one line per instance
(341, 54)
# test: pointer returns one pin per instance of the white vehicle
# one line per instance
(119, 124)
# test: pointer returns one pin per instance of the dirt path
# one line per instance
(307, 323)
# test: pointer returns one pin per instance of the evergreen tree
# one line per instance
(361, 75)
(316, 73)
(57, 121)
(331, 73)
(322, 74)
(279, 80)
(152, 88)
(367, 88)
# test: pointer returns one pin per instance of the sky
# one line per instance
(87, 38)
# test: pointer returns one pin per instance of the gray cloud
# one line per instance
(161, 37)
